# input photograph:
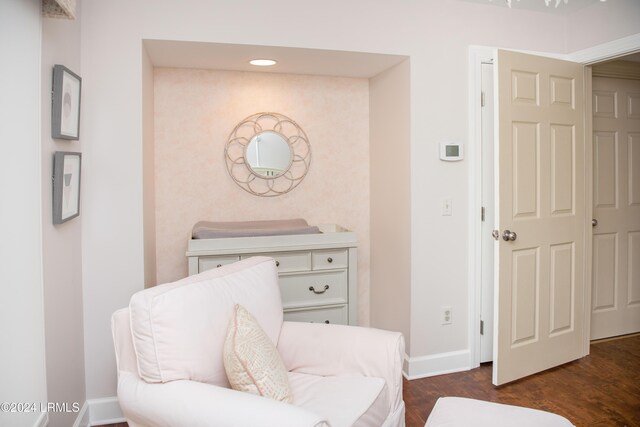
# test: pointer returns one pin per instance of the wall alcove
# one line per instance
(355, 108)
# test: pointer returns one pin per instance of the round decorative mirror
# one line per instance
(267, 154)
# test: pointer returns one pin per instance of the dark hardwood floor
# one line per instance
(602, 389)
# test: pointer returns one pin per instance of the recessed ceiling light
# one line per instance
(262, 62)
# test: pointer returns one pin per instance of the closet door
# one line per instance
(616, 207)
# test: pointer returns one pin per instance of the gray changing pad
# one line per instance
(215, 230)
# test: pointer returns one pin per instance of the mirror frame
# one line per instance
(242, 173)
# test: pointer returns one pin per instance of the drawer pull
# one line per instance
(329, 260)
(219, 265)
(277, 263)
(327, 322)
(312, 289)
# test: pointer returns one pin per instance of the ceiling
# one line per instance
(235, 57)
(540, 5)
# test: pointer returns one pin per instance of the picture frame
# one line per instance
(66, 185)
(65, 108)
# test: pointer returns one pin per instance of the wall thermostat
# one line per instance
(451, 152)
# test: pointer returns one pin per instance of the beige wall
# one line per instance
(195, 110)
(62, 249)
(389, 100)
(148, 174)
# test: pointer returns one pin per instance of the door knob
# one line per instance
(594, 222)
(508, 235)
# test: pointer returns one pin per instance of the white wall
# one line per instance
(61, 244)
(112, 217)
(602, 23)
(22, 352)
(435, 34)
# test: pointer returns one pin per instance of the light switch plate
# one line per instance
(447, 207)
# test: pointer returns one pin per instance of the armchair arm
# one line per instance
(330, 350)
(193, 404)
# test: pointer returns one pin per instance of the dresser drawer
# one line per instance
(329, 259)
(314, 289)
(208, 262)
(336, 315)
(288, 262)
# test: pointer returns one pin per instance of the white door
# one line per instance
(539, 308)
(616, 207)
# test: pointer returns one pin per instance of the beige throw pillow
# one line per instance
(251, 360)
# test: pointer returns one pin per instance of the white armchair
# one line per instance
(169, 346)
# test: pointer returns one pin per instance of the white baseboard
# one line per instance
(42, 420)
(435, 364)
(104, 411)
(82, 420)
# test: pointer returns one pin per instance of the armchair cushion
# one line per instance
(319, 349)
(345, 401)
(251, 360)
(168, 322)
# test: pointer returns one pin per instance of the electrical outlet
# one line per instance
(447, 315)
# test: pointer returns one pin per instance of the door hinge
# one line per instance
(482, 99)
(482, 213)
(482, 327)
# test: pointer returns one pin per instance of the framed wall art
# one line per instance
(66, 186)
(65, 110)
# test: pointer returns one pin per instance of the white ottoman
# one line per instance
(461, 412)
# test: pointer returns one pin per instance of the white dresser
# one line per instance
(317, 272)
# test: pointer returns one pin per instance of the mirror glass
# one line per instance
(268, 154)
